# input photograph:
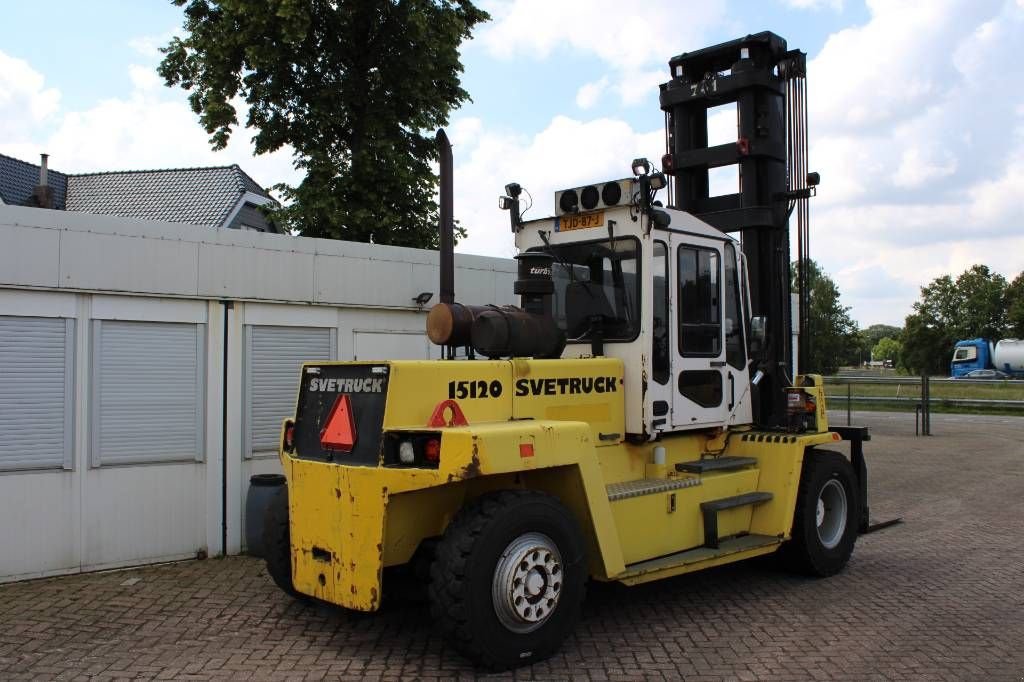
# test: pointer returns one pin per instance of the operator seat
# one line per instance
(585, 301)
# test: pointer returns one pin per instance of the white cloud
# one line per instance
(922, 164)
(144, 79)
(26, 104)
(635, 86)
(152, 127)
(149, 46)
(626, 40)
(814, 4)
(562, 155)
(589, 93)
(917, 129)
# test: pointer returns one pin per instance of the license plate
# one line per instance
(579, 221)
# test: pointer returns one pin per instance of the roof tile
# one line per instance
(200, 196)
(18, 179)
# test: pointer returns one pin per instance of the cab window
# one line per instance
(735, 353)
(597, 289)
(660, 367)
(965, 353)
(700, 307)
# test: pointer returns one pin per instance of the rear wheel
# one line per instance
(825, 518)
(277, 542)
(508, 580)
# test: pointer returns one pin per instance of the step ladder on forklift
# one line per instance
(714, 545)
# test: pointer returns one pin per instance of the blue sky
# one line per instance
(917, 116)
(83, 46)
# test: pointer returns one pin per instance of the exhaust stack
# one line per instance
(490, 330)
(444, 153)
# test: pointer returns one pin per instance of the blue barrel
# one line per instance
(262, 488)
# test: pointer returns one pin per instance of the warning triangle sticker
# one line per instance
(339, 432)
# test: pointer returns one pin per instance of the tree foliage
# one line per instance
(1014, 303)
(869, 337)
(355, 87)
(976, 304)
(927, 347)
(887, 349)
(833, 334)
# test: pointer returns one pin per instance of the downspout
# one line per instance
(225, 306)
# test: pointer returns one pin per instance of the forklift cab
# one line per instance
(668, 298)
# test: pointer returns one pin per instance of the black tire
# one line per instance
(277, 542)
(466, 569)
(823, 550)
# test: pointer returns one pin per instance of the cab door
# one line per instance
(700, 397)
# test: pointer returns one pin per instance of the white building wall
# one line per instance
(89, 514)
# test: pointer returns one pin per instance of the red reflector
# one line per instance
(668, 163)
(289, 436)
(743, 146)
(339, 432)
(432, 450)
(526, 449)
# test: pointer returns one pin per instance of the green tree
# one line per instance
(927, 345)
(869, 337)
(833, 335)
(972, 305)
(887, 349)
(355, 87)
(1013, 301)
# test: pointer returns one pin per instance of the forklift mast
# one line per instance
(767, 84)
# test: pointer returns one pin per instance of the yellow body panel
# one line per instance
(563, 390)
(348, 522)
(651, 526)
(416, 387)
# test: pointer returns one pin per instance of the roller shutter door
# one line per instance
(148, 401)
(36, 385)
(274, 356)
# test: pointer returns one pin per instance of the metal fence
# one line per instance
(923, 394)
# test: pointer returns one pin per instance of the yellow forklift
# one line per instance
(636, 417)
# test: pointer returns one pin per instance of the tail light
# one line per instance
(409, 449)
(289, 436)
(432, 450)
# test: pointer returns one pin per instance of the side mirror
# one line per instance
(758, 334)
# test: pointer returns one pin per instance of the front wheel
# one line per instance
(508, 579)
(825, 518)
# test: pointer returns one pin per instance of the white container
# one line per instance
(1009, 352)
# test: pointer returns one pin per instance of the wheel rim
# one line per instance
(527, 582)
(831, 513)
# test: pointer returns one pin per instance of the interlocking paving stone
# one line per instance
(940, 597)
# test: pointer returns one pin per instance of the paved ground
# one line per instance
(939, 597)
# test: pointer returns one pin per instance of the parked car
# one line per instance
(984, 374)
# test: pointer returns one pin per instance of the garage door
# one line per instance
(36, 386)
(147, 400)
(273, 357)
